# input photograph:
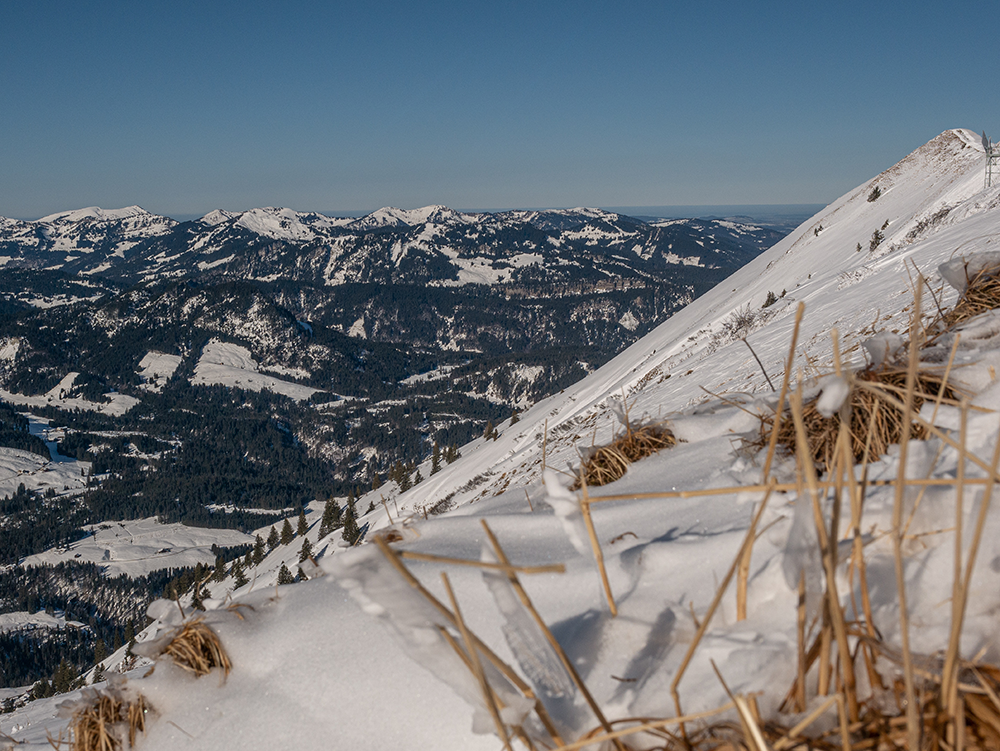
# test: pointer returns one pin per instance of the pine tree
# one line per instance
(331, 518)
(436, 459)
(258, 551)
(196, 603)
(248, 559)
(239, 578)
(287, 535)
(285, 576)
(306, 550)
(63, 677)
(100, 651)
(98, 673)
(515, 417)
(405, 483)
(418, 478)
(220, 569)
(273, 539)
(303, 527)
(351, 531)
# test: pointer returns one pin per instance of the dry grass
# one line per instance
(609, 463)
(981, 294)
(107, 723)
(197, 649)
(874, 421)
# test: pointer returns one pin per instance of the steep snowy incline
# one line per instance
(931, 204)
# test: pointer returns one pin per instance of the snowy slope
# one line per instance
(311, 667)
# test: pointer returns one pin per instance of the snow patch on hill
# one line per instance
(94, 212)
(232, 365)
(155, 369)
(141, 546)
(59, 396)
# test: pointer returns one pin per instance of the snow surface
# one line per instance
(57, 396)
(41, 619)
(232, 365)
(140, 546)
(94, 212)
(155, 369)
(311, 669)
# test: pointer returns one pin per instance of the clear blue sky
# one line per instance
(182, 107)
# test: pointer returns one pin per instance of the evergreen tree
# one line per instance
(515, 417)
(405, 483)
(436, 459)
(258, 550)
(331, 518)
(100, 651)
(303, 527)
(196, 602)
(285, 576)
(418, 478)
(248, 559)
(351, 531)
(220, 568)
(273, 539)
(239, 578)
(62, 679)
(98, 673)
(306, 550)
(287, 535)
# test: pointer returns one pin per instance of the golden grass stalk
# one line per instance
(489, 697)
(106, 723)
(567, 663)
(197, 649)
(703, 626)
(506, 670)
(595, 545)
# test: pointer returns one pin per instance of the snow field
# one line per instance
(232, 365)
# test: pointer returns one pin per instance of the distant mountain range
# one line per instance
(262, 359)
(432, 245)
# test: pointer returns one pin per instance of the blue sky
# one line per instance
(182, 107)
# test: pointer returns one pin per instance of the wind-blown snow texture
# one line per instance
(311, 667)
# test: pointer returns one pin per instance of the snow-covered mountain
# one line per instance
(310, 665)
(433, 244)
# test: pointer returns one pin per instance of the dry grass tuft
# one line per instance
(196, 648)
(981, 294)
(608, 463)
(106, 723)
(870, 413)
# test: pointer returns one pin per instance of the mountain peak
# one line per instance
(94, 212)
